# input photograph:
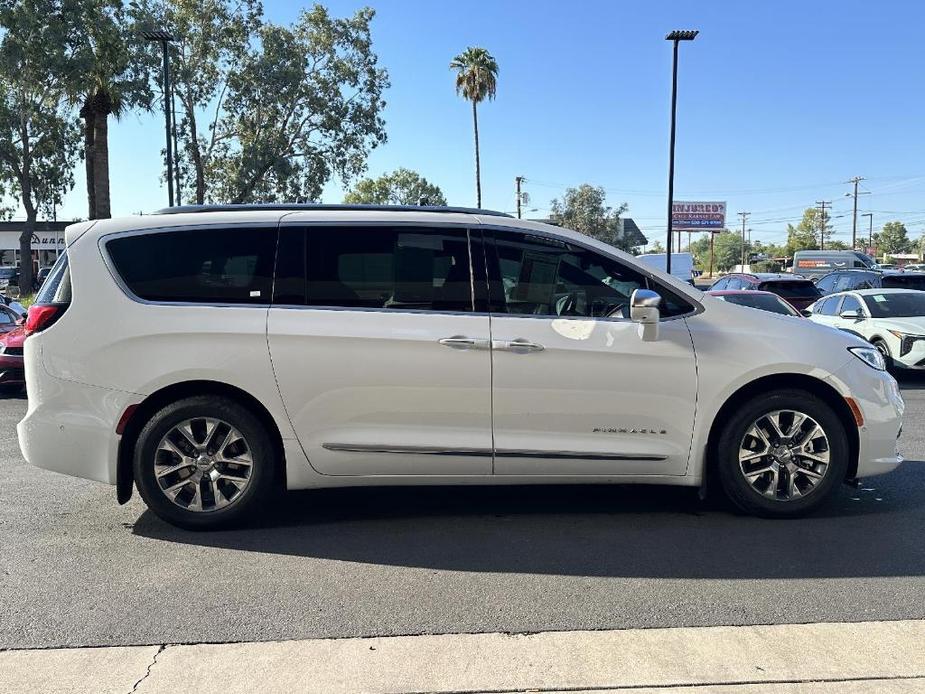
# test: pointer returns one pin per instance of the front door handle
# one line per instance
(462, 342)
(520, 345)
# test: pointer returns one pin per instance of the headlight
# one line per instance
(870, 356)
(906, 341)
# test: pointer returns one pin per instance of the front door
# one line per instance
(383, 366)
(576, 391)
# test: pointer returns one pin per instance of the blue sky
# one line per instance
(779, 104)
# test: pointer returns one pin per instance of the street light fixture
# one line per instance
(677, 36)
(165, 37)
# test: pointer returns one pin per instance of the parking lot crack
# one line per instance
(160, 650)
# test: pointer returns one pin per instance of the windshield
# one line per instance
(765, 302)
(904, 281)
(790, 289)
(898, 305)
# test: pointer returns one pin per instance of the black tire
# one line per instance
(251, 499)
(884, 349)
(749, 499)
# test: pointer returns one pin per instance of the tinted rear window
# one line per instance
(57, 287)
(403, 268)
(225, 265)
(792, 289)
(761, 301)
(904, 282)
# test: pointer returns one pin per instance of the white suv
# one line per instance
(212, 355)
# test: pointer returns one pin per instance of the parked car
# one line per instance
(914, 267)
(766, 301)
(238, 349)
(41, 276)
(11, 303)
(888, 266)
(9, 319)
(798, 291)
(9, 277)
(12, 374)
(813, 264)
(893, 320)
(850, 280)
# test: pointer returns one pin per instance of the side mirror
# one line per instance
(806, 313)
(644, 305)
(850, 314)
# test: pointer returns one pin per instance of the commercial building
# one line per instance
(47, 243)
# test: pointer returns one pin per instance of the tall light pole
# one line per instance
(165, 37)
(675, 36)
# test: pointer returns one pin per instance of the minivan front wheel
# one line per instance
(204, 462)
(782, 454)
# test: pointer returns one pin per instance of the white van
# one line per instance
(682, 264)
(210, 355)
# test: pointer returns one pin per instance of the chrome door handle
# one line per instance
(461, 342)
(519, 345)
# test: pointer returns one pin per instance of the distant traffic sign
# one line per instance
(698, 216)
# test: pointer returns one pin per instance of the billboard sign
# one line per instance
(698, 216)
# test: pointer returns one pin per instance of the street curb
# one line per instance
(791, 659)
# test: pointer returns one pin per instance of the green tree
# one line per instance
(39, 138)
(893, 238)
(400, 187)
(657, 247)
(476, 80)
(111, 76)
(304, 104)
(805, 235)
(585, 209)
(727, 250)
(211, 39)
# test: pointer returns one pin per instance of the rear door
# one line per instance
(382, 361)
(576, 390)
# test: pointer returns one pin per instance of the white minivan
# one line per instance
(210, 356)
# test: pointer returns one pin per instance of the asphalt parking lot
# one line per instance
(78, 570)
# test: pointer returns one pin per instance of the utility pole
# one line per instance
(744, 216)
(164, 38)
(712, 236)
(517, 182)
(822, 204)
(854, 218)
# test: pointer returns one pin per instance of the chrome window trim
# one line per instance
(104, 239)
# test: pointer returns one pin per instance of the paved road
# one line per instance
(76, 569)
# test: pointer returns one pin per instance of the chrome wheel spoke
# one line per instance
(218, 460)
(784, 455)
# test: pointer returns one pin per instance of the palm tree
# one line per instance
(476, 80)
(101, 102)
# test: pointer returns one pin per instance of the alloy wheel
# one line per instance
(203, 464)
(784, 455)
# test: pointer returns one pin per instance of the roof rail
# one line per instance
(311, 206)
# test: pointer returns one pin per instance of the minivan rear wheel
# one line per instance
(782, 454)
(204, 462)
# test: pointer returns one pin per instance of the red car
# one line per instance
(12, 375)
(766, 301)
(797, 291)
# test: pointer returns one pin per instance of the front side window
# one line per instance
(536, 275)
(826, 285)
(851, 303)
(399, 268)
(209, 265)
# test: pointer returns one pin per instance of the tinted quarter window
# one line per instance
(400, 268)
(212, 265)
(536, 275)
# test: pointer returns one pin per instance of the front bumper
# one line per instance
(881, 404)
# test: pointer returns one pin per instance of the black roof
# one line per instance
(313, 206)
